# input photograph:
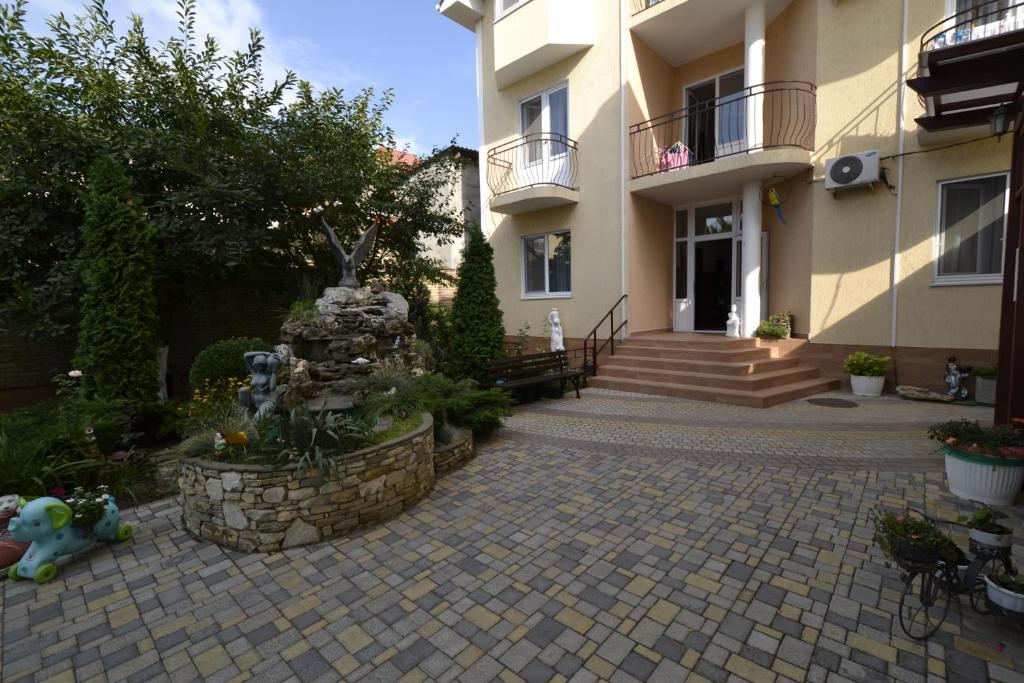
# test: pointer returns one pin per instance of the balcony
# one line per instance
(711, 148)
(539, 33)
(534, 172)
(683, 30)
(968, 65)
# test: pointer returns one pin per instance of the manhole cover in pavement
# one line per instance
(832, 402)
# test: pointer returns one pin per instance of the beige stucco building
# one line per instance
(678, 152)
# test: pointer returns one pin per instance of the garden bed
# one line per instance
(453, 455)
(258, 508)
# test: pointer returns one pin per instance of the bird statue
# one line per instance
(776, 203)
(349, 262)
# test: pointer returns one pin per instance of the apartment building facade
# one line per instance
(679, 152)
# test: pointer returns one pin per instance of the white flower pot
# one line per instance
(985, 391)
(1008, 600)
(867, 386)
(991, 540)
(983, 478)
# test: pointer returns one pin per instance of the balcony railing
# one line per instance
(717, 128)
(974, 24)
(532, 160)
(638, 6)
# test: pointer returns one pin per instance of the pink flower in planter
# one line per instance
(901, 518)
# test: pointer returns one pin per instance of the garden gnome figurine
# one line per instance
(732, 323)
(259, 399)
(557, 340)
(955, 376)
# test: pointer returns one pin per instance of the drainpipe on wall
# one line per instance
(901, 141)
(624, 141)
(482, 159)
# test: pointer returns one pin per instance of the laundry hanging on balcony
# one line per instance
(673, 157)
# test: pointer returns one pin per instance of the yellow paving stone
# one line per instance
(620, 609)
(468, 656)
(743, 530)
(377, 534)
(441, 553)
(290, 653)
(553, 590)
(648, 653)
(625, 626)
(407, 604)
(982, 652)
(936, 667)
(483, 618)
(213, 660)
(440, 607)
(337, 614)
(516, 634)
(551, 572)
(514, 616)
(871, 646)
(145, 645)
(660, 541)
(174, 662)
(385, 656)
(419, 589)
(748, 670)
(588, 538)
(599, 666)
(354, 638)
(496, 551)
(830, 557)
(574, 620)
(66, 676)
(567, 509)
(509, 676)
(790, 612)
(788, 670)
(790, 585)
(586, 649)
(567, 598)
(690, 659)
(769, 631)
(908, 646)
(300, 607)
(640, 586)
(98, 678)
(715, 613)
(810, 635)
(248, 660)
(346, 664)
(240, 678)
(282, 624)
(287, 581)
(414, 676)
(122, 616)
(702, 583)
(663, 612)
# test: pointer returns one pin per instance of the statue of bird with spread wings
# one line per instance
(348, 262)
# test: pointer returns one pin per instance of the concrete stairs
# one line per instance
(709, 368)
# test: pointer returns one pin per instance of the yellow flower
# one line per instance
(236, 439)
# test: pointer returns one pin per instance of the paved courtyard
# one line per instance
(618, 537)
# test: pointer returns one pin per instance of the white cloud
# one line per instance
(410, 144)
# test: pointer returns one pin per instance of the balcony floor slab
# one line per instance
(533, 199)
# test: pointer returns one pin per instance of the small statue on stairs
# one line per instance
(732, 323)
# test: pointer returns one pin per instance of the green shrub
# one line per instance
(767, 330)
(223, 360)
(986, 373)
(303, 311)
(783, 320)
(117, 337)
(864, 364)
(477, 330)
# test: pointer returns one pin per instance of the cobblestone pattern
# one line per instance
(256, 508)
(454, 455)
(536, 561)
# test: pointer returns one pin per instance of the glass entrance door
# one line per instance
(704, 266)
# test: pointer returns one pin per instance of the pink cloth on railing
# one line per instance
(671, 158)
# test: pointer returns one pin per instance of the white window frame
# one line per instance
(500, 13)
(938, 241)
(547, 293)
(545, 118)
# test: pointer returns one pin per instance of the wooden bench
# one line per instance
(535, 368)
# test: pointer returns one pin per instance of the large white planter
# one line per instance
(991, 540)
(985, 391)
(1014, 602)
(867, 386)
(983, 478)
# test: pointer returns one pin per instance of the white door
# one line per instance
(544, 125)
(717, 125)
(731, 135)
(682, 253)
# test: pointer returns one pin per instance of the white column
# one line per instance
(753, 71)
(751, 314)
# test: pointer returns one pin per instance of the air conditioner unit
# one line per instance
(851, 170)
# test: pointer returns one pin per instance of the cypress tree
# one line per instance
(117, 335)
(477, 329)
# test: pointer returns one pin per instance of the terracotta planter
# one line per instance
(983, 478)
(867, 386)
(1008, 600)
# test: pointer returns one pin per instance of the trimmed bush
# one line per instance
(117, 337)
(222, 360)
(767, 330)
(477, 331)
(864, 364)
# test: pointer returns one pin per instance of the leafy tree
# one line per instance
(117, 340)
(477, 332)
(228, 171)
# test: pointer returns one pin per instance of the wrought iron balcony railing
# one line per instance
(717, 128)
(638, 6)
(532, 160)
(990, 19)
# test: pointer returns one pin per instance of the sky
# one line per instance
(405, 45)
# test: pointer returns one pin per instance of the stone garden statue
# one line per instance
(348, 262)
(732, 323)
(955, 376)
(557, 338)
(260, 398)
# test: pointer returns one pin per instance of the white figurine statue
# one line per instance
(732, 323)
(557, 341)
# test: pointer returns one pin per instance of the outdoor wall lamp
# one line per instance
(1000, 121)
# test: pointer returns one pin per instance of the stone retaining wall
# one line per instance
(454, 455)
(254, 508)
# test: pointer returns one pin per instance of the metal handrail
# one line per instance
(534, 159)
(590, 368)
(717, 128)
(943, 34)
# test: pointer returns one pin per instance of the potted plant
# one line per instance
(867, 372)
(985, 464)
(1006, 591)
(986, 529)
(911, 542)
(985, 386)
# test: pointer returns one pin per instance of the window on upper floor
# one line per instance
(546, 113)
(506, 6)
(972, 225)
(547, 265)
(981, 7)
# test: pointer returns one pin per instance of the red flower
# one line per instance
(901, 518)
(57, 491)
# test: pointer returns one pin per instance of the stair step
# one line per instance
(713, 353)
(685, 364)
(762, 380)
(696, 342)
(762, 398)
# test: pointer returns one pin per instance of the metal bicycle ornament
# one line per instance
(930, 582)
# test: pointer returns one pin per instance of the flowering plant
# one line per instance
(87, 507)
(903, 538)
(965, 435)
